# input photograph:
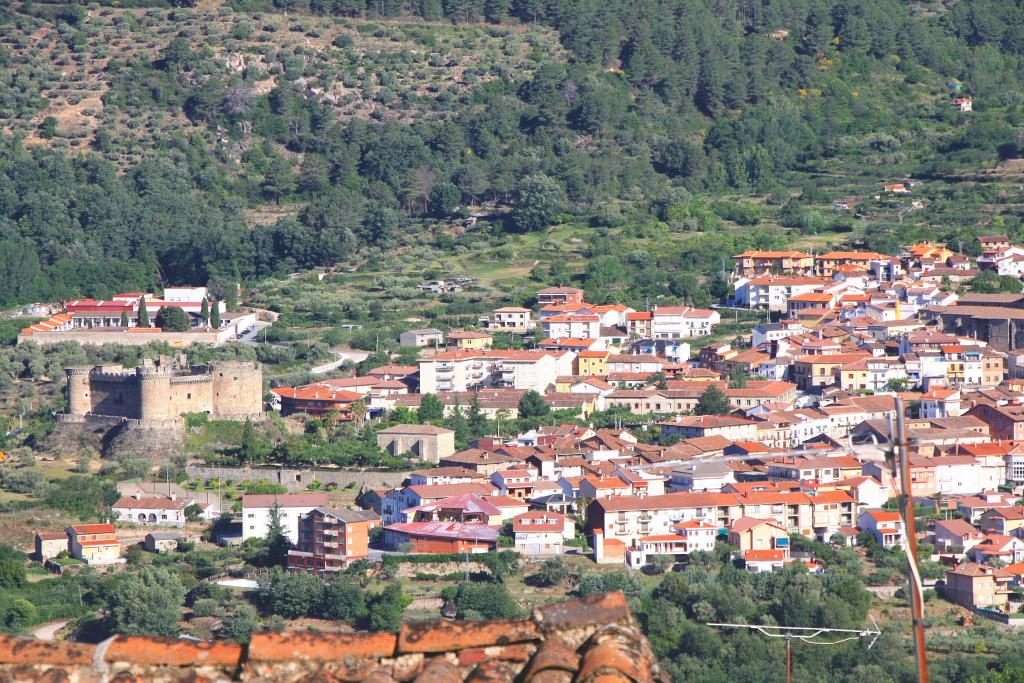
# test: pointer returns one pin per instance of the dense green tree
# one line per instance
(713, 401)
(540, 199)
(291, 594)
(532, 405)
(277, 541)
(146, 602)
(215, 315)
(12, 573)
(484, 601)
(386, 608)
(343, 600)
(172, 319)
(431, 410)
(143, 314)
(21, 613)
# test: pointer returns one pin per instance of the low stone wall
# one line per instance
(298, 479)
(100, 337)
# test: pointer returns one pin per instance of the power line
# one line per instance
(807, 634)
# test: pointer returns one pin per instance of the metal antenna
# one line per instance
(807, 634)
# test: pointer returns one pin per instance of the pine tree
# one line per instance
(277, 541)
(215, 315)
(713, 402)
(476, 420)
(204, 312)
(247, 450)
(143, 313)
(431, 410)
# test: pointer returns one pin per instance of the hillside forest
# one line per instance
(238, 140)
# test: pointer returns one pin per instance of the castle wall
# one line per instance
(158, 394)
(110, 394)
(237, 389)
(192, 394)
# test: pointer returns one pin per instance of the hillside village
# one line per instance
(756, 442)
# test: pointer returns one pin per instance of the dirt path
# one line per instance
(49, 631)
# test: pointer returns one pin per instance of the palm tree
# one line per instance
(358, 409)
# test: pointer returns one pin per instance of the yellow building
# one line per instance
(472, 341)
(751, 533)
(94, 543)
(927, 250)
(592, 363)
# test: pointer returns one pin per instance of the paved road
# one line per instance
(49, 631)
(252, 338)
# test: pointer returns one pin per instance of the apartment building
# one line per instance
(466, 370)
(331, 538)
(257, 511)
(756, 262)
(773, 291)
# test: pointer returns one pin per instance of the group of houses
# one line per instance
(131, 318)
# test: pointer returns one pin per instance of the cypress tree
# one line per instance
(204, 312)
(143, 313)
(215, 315)
(124, 318)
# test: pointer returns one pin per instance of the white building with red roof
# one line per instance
(685, 538)
(542, 533)
(773, 291)
(886, 526)
(156, 510)
(682, 322)
(257, 511)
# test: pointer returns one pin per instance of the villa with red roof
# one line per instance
(94, 543)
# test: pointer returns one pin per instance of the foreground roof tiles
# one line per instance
(588, 640)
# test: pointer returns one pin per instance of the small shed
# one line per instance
(161, 541)
(420, 338)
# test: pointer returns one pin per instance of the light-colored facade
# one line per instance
(257, 511)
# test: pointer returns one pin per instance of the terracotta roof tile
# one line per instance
(445, 637)
(14, 650)
(440, 671)
(320, 647)
(554, 655)
(587, 640)
(171, 652)
(617, 652)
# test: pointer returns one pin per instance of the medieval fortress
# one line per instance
(158, 393)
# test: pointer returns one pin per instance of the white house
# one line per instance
(682, 322)
(687, 537)
(773, 291)
(575, 326)
(886, 526)
(940, 402)
(257, 511)
(956, 536)
(542, 533)
(701, 476)
(150, 510)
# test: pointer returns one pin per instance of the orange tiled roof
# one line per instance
(593, 639)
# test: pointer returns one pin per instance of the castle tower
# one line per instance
(237, 389)
(154, 393)
(79, 399)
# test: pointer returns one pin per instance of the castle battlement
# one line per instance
(160, 392)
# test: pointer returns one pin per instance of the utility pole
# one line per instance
(808, 635)
(899, 457)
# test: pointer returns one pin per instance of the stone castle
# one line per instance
(159, 392)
